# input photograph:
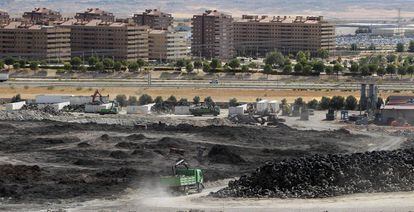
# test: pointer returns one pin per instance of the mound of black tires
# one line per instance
(327, 175)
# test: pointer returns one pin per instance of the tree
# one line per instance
(372, 47)
(215, 64)
(301, 57)
(76, 62)
(287, 69)
(198, 64)
(16, 66)
(381, 71)
(9, 61)
(183, 102)
(141, 63)
(411, 46)
(121, 99)
(158, 100)
(208, 101)
(108, 63)
(233, 102)
(402, 71)
(34, 65)
(196, 100)
(391, 69)
(391, 58)
(324, 104)
(22, 63)
(245, 68)
(410, 70)
(267, 69)
(16, 98)
(67, 67)
(328, 70)
(180, 63)
(172, 100)
(372, 68)
(354, 47)
(234, 63)
(364, 70)
(319, 66)
(299, 102)
(189, 67)
(351, 103)
(298, 68)
(92, 61)
(323, 53)
(275, 58)
(338, 68)
(337, 102)
(400, 47)
(117, 66)
(307, 69)
(313, 104)
(1, 64)
(99, 66)
(145, 99)
(133, 101)
(206, 67)
(354, 67)
(133, 67)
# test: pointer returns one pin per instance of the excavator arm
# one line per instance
(180, 162)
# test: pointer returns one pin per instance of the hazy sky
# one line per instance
(350, 9)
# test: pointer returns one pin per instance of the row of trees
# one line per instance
(21, 63)
(171, 101)
(400, 47)
(104, 64)
(325, 103)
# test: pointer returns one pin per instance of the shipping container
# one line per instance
(97, 108)
(142, 109)
(4, 77)
(15, 105)
(182, 110)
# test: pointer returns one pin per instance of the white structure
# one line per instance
(273, 106)
(267, 106)
(261, 106)
(15, 105)
(182, 110)
(142, 109)
(97, 108)
(239, 110)
(56, 106)
(74, 100)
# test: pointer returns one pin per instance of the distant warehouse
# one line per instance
(257, 36)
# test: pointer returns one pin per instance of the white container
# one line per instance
(15, 105)
(262, 106)
(4, 77)
(61, 105)
(97, 108)
(273, 106)
(239, 110)
(74, 100)
(142, 109)
(182, 110)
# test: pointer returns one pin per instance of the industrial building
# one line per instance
(166, 45)
(398, 110)
(155, 19)
(119, 41)
(212, 34)
(42, 16)
(95, 14)
(36, 42)
(257, 36)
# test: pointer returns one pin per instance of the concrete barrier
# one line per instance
(182, 110)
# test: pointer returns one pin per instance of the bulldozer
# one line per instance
(184, 179)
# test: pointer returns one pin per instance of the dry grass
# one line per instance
(218, 94)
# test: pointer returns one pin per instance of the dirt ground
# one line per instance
(222, 95)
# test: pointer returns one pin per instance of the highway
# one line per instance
(239, 84)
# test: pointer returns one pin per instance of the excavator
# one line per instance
(97, 99)
(183, 179)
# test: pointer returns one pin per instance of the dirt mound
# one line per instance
(55, 141)
(119, 155)
(120, 173)
(127, 145)
(136, 137)
(105, 137)
(84, 145)
(222, 154)
(329, 175)
(85, 162)
(14, 177)
(168, 142)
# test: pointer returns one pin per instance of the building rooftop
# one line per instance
(214, 13)
(96, 22)
(155, 12)
(24, 25)
(96, 11)
(281, 19)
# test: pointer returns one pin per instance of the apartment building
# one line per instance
(257, 36)
(95, 14)
(35, 42)
(42, 16)
(119, 41)
(4, 17)
(167, 45)
(154, 18)
(212, 35)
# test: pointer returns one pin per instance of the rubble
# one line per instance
(327, 175)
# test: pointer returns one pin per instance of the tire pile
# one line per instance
(327, 175)
(47, 109)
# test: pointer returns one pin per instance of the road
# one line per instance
(245, 84)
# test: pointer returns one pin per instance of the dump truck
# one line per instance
(204, 110)
(183, 180)
(114, 109)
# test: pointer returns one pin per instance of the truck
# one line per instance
(205, 110)
(183, 179)
(4, 77)
(114, 109)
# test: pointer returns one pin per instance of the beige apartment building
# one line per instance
(155, 19)
(257, 36)
(42, 16)
(119, 41)
(95, 13)
(212, 34)
(4, 17)
(167, 45)
(35, 42)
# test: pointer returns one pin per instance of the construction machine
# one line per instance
(183, 179)
(114, 109)
(95, 97)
